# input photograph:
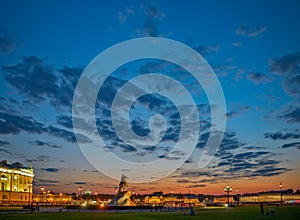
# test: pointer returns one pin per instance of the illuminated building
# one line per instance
(15, 183)
(50, 198)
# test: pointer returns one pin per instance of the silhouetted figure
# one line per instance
(262, 208)
(192, 211)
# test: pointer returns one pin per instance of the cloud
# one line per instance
(288, 66)
(124, 14)
(45, 182)
(40, 158)
(259, 78)
(152, 15)
(79, 183)
(242, 29)
(68, 135)
(281, 136)
(42, 143)
(5, 151)
(237, 44)
(32, 78)
(4, 143)
(7, 44)
(285, 64)
(183, 181)
(14, 124)
(293, 144)
(40, 82)
(291, 114)
(257, 31)
(50, 170)
(65, 121)
(205, 50)
(245, 30)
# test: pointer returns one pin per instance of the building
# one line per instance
(50, 198)
(15, 183)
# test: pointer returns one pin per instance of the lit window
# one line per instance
(3, 177)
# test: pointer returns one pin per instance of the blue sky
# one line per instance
(253, 47)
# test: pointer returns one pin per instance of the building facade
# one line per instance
(15, 183)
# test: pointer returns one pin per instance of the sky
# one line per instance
(252, 47)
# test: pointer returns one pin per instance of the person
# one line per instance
(261, 208)
(192, 211)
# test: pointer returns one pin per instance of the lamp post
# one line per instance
(227, 189)
(80, 189)
(29, 188)
(280, 185)
(190, 197)
(237, 195)
(42, 189)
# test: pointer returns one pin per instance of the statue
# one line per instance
(123, 197)
(123, 183)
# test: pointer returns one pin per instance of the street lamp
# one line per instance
(190, 196)
(42, 189)
(237, 195)
(280, 185)
(29, 188)
(227, 189)
(80, 189)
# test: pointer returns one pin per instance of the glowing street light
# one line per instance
(227, 189)
(280, 185)
(80, 189)
(190, 196)
(42, 189)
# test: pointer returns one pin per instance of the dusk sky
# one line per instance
(252, 46)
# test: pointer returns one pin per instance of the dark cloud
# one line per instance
(68, 77)
(183, 181)
(291, 114)
(4, 143)
(39, 81)
(50, 170)
(289, 67)
(65, 121)
(7, 44)
(79, 183)
(293, 145)
(152, 16)
(5, 151)
(259, 78)
(46, 181)
(285, 64)
(32, 78)
(42, 143)
(231, 114)
(14, 124)
(281, 136)
(67, 135)
(206, 50)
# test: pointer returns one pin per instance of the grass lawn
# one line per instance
(239, 213)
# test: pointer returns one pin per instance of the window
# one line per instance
(3, 177)
(3, 186)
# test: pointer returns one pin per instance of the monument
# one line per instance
(122, 197)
